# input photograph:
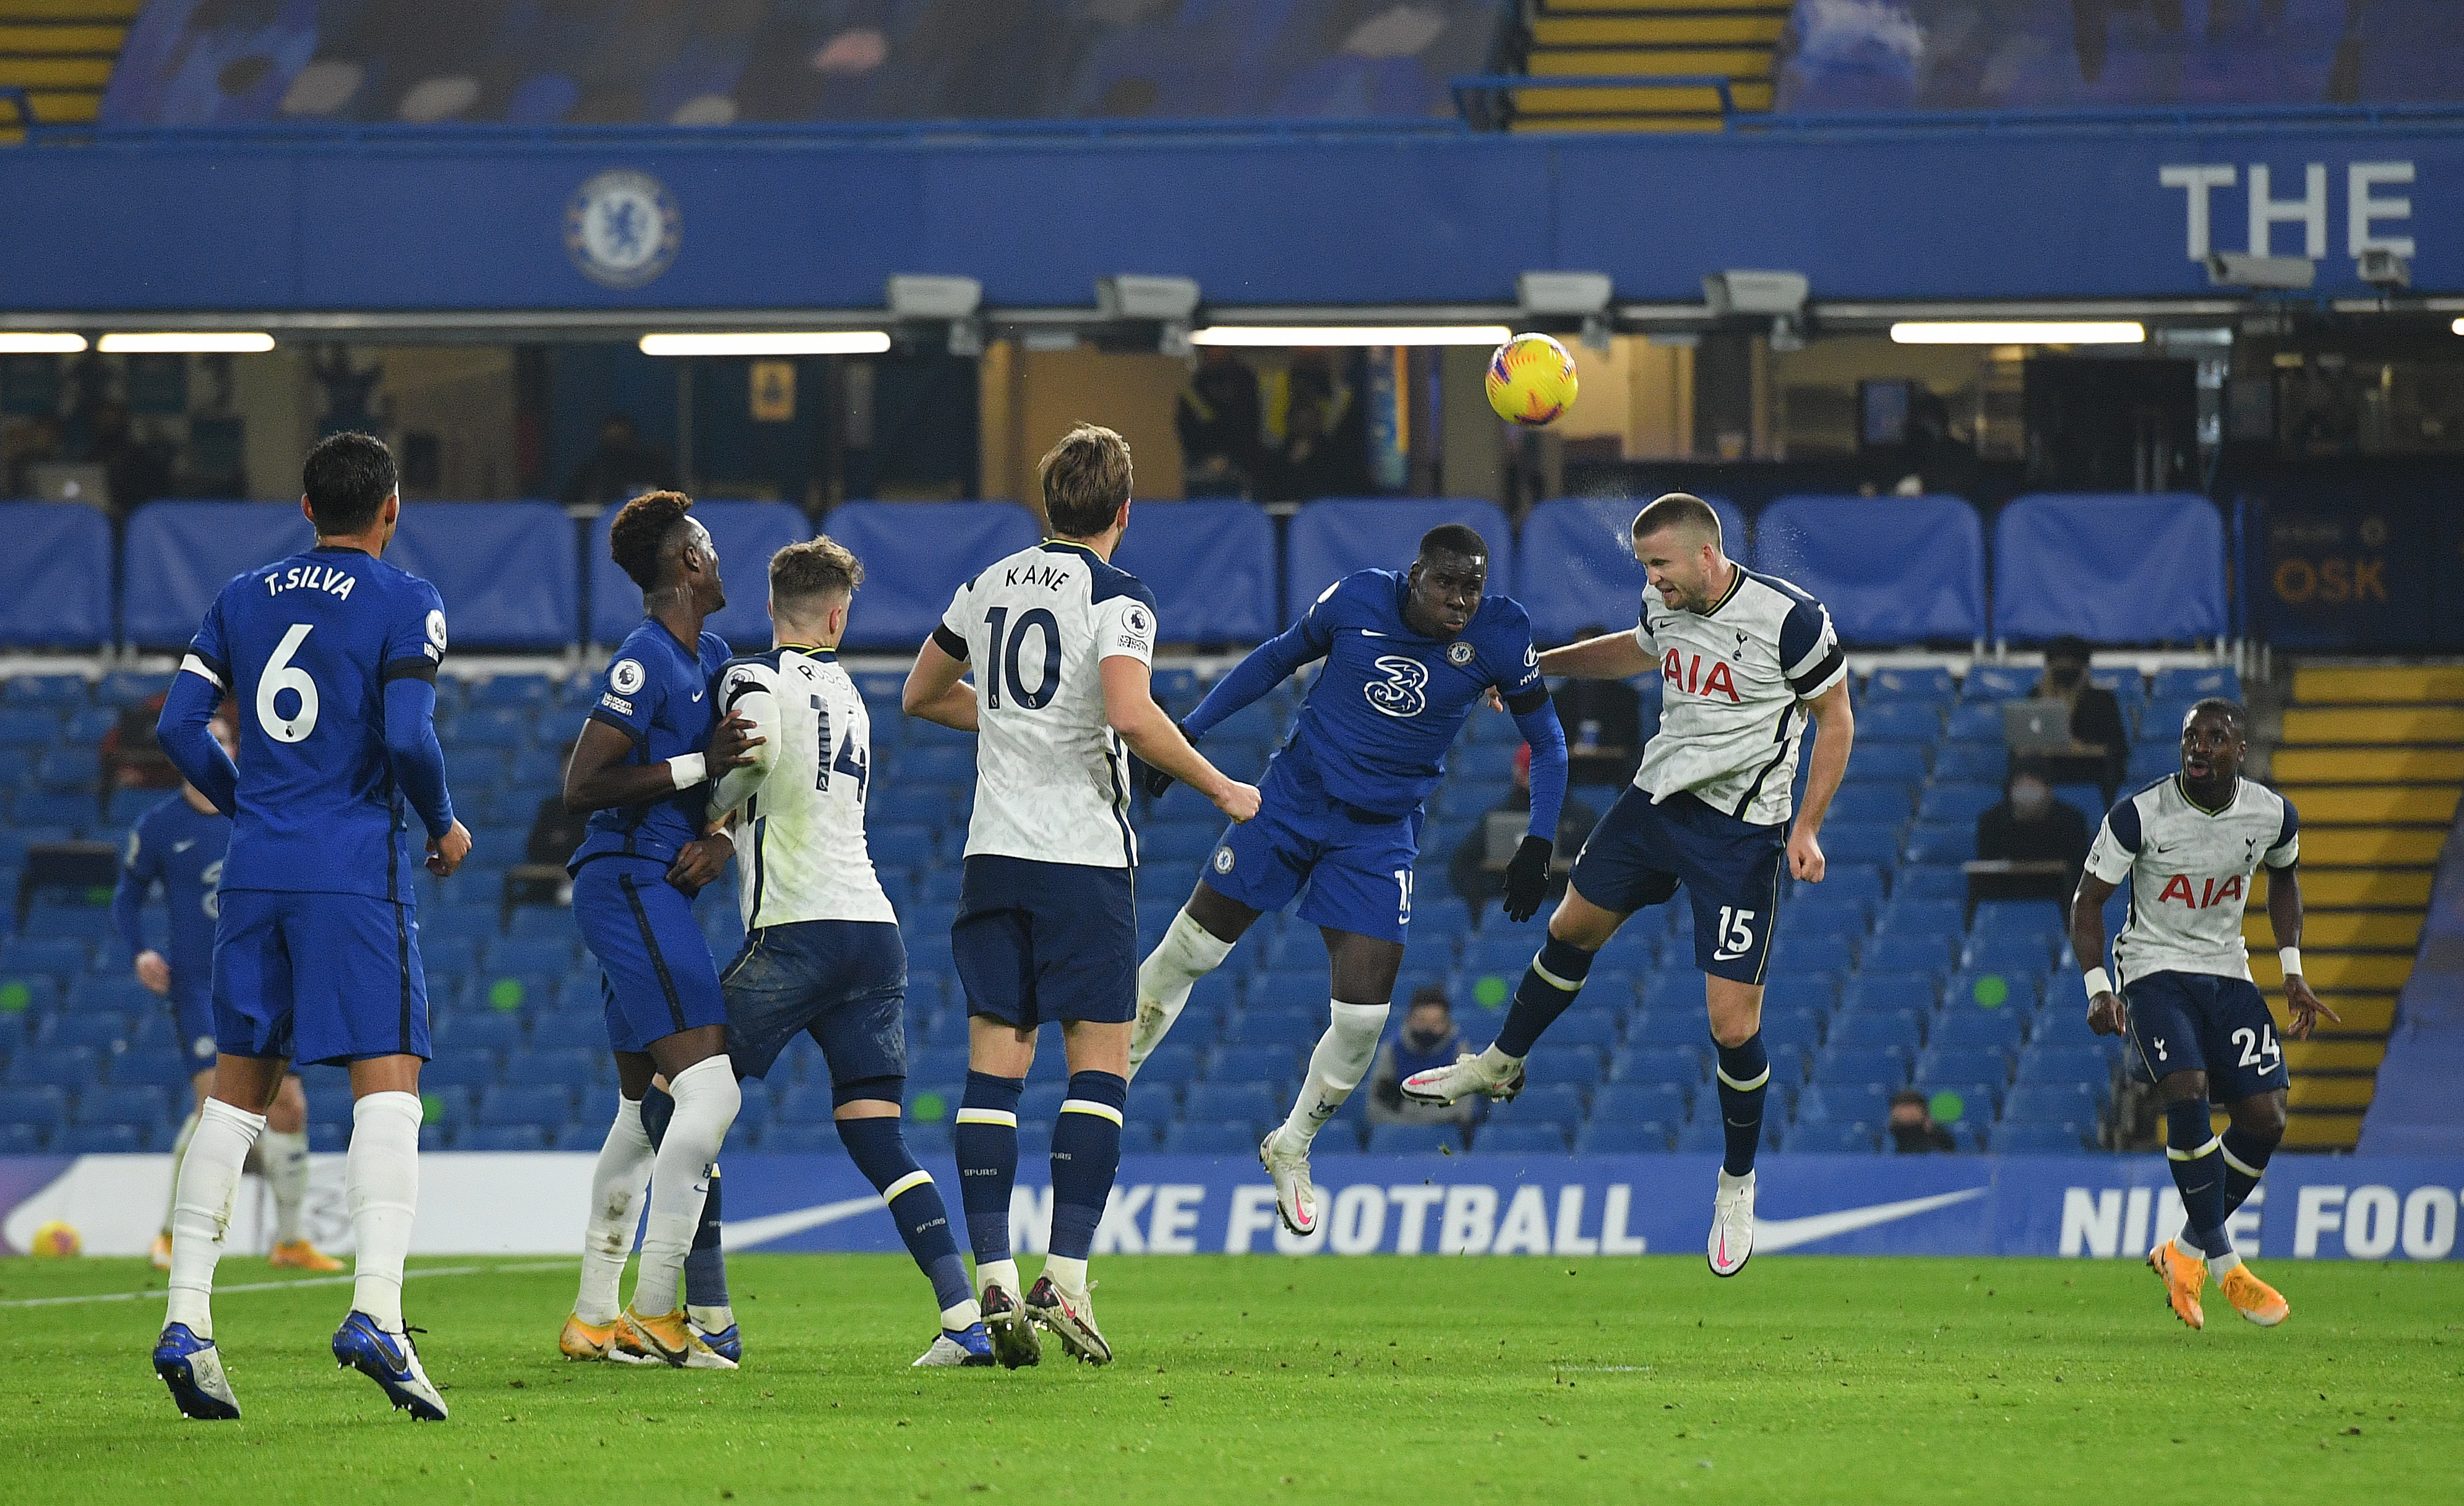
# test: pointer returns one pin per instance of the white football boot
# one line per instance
(1733, 1224)
(1501, 1077)
(1295, 1194)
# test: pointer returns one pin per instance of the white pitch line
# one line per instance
(287, 1286)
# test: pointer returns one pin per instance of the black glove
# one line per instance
(1154, 779)
(1526, 878)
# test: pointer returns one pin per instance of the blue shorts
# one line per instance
(1641, 853)
(845, 981)
(1046, 941)
(192, 1012)
(2199, 1022)
(655, 972)
(1357, 864)
(317, 978)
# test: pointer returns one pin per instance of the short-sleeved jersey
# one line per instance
(800, 847)
(183, 849)
(1389, 702)
(2190, 870)
(657, 691)
(307, 645)
(1733, 681)
(1052, 780)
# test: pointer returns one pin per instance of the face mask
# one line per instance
(2064, 675)
(2029, 798)
(1425, 1040)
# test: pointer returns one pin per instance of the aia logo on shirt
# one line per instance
(1678, 672)
(2211, 892)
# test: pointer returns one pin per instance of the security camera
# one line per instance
(2276, 273)
(911, 296)
(1173, 299)
(1756, 294)
(2386, 270)
(1564, 293)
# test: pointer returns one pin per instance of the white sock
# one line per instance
(1068, 1275)
(1336, 1066)
(179, 1157)
(1497, 1061)
(707, 1099)
(963, 1317)
(712, 1319)
(380, 1189)
(1005, 1272)
(284, 1155)
(2219, 1265)
(2189, 1246)
(1187, 953)
(201, 1209)
(616, 1187)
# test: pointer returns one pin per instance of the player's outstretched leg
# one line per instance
(1744, 1074)
(1188, 953)
(1085, 1157)
(654, 1325)
(1547, 990)
(876, 1142)
(618, 1180)
(707, 1312)
(1337, 1063)
(986, 1142)
(185, 1356)
(381, 1185)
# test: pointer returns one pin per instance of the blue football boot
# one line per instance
(969, 1346)
(392, 1362)
(727, 1342)
(192, 1368)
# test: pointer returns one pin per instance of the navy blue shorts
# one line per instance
(317, 978)
(845, 981)
(1641, 854)
(655, 972)
(1357, 864)
(2199, 1022)
(1046, 940)
(192, 1012)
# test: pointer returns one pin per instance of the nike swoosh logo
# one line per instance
(1726, 956)
(1786, 1234)
(183, 846)
(1371, 632)
(696, 695)
(744, 1233)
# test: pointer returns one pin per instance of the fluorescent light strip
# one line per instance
(30, 342)
(777, 342)
(186, 342)
(1352, 334)
(2022, 331)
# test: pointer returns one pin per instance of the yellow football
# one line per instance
(1532, 380)
(56, 1238)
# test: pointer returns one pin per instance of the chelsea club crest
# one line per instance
(1459, 653)
(622, 229)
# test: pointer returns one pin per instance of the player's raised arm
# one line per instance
(1129, 708)
(1267, 666)
(1614, 656)
(2284, 922)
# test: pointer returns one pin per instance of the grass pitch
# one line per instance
(1406, 1379)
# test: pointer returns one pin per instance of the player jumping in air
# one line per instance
(1061, 644)
(1407, 655)
(180, 845)
(822, 951)
(641, 768)
(2189, 845)
(1743, 658)
(332, 655)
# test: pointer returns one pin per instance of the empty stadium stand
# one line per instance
(61, 52)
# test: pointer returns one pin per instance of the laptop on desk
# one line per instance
(2036, 726)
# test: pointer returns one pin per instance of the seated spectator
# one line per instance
(619, 469)
(1323, 429)
(2100, 741)
(2030, 826)
(1428, 1040)
(555, 833)
(1469, 869)
(1913, 1131)
(130, 754)
(1218, 418)
(1603, 722)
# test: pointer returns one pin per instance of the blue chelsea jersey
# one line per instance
(307, 645)
(182, 848)
(1388, 702)
(656, 693)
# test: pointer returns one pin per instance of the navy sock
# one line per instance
(2245, 1163)
(705, 1263)
(988, 1146)
(1744, 1078)
(1547, 987)
(2190, 1150)
(878, 1147)
(1085, 1156)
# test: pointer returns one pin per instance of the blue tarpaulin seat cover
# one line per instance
(505, 569)
(1577, 568)
(1331, 539)
(1892, 570)
(60, 592)
(746, 534)
(1211, 566)
(2113, 569)
(916, 556)
(179, 555)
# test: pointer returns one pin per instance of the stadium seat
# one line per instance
(1042, 1099)
(505, 1137)
(1845, 1102)
(557, 1066)
(1946, 842)
(801, 1138)
(1665, 1101)
(460, 1067)
(1944, 1061)
(524, 1105)
(1895, 1030)
(1934, 882)
(1330, 539)
(2015, 956)
(1977, 1098)
(1843, 1061)
(20, 1140)
(1996, 988)
(2088, 1066)
(1621, 1137)
(1249, 1063)
(2010, 1138)
(1954, 803)
(102, 1140)
(1251, 1103)
(63, 1066)
(1835, 1136)
(2121, 568)
(1877, 842)
(2186, 683)
(1679, 1064)
(1899, 722)
(1519, 1140)
(1701, 1135)
(1895, 947)
(1412, 1140)
(1922, 687)
(2050, 1103)
(1558, 1102)
(1868, 802)
(1898, 763)
(1210, 1137)
(1966, 1028)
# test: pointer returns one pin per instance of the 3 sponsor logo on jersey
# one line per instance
(627, 676)
(2211, 892)
(1678, 671)
(1404, 691)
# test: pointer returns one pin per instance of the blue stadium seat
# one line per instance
(1922, 687)
(1519, 1140)
(1904, 943)
(1665, 1102)
(557, 1066)
(541, 922)
(1976, 722)
(101, 1139)
(68, 771)
(1586, 1031)
(1673, 1025)
(1977, 1098)
(1868, 802)
(1897, 763)
(1845, 1102)
(44, 1105)
(58, 693)
(20, 1140)
(1635, 947)
(1331, 538)
(1899, 722)
(1985, 681)
(1252, 1103)
(2015, 956)
(801, 1138)
(1412, 1140)
(1042, 1099)
(2016, 1139)
(1960, 1027)
(530, 692)
(510, 1137)
(2017, 991)
(916, 556)
(1845, 1062)
(459, 1067)
(1950, 1061)
(1210, 1137)
(61, 1066)
(1558, 1102)
(805, 1103)
(2186, 683)
(2050, 1103)
(30, 727)
(163, 1066)
(73, 812)
(101, 1032)
(1886, 1029)
(1877, 842)
(2086, 1065)
(1891, 569)
(525, 1104)
(1798, 1030)
(1877, 989)
(1701, 1135)
(1954, 803)
(1946, 842)
(1603, 1137)
(142, 1106)
(1830, 1135)
(1973, 762)
(2018, 917)
(2114, 569)
(1271, 1064)
(1679, 1064)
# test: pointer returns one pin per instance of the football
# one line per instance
(57, 1239)
(1531, 381)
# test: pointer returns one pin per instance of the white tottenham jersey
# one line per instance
(2190, 870)
(1732, 683)
(800, 847)
(1052, 780)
